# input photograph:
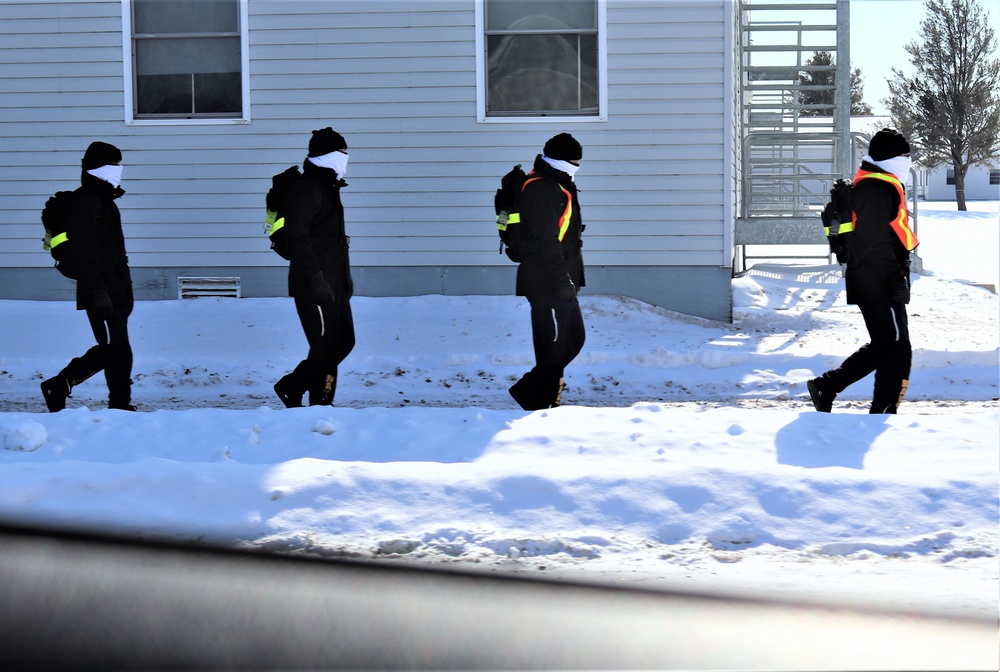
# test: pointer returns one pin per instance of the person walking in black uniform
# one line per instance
(551, 271)
(104, 284)
(877, 278)
(319, 275)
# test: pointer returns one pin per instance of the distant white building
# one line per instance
(982, 183)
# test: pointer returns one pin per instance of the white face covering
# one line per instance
(110, 174)
(565, 166)
(335, 161)
(897, 165)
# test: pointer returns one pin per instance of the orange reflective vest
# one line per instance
(901, 223)
(567, 211)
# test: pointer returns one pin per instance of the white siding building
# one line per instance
(437, 99)
(982, 183)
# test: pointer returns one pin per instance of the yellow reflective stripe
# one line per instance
(503, 219)
(58, 239)
(272, 222)
(567, 214)
(902, 227)
(881, 176)
(845, 227)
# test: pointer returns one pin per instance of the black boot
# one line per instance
(323, 396)
(888, 401)
(524, 394)
(535, 392)
(292, 387)
(822, 399)
(286, 391)
(55, 390)
(558, 401)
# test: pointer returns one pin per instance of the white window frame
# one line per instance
(602, 75)
(129, 63)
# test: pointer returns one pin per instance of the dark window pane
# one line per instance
(186, 16)
(203, 93)
(164, 94)
(187, 55)
(186, 76)
(188, 58)
(541, 14)
(542, 73)
(218, 93)
(589, 95)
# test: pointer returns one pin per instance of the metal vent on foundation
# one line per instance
(192, 288)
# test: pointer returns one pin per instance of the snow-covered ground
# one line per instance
(687, 455)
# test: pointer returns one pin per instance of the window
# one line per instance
(995, 177)
(186, 60)
(950, 178)
(541, 59)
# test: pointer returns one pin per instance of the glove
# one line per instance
(566, 290)
(901, 289)
(100, 304)
(319, 290)
(843, 203)
(829, 216)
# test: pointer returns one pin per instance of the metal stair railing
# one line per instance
(790, 157)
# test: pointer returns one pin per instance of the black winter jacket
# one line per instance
(878, 264)
(95, 231)
(547, 261)
(317, 240)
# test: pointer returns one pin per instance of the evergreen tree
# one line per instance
(824, 97)
(950, 110)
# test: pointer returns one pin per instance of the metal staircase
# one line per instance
(792, 152)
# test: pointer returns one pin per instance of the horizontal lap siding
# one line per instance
(398, 80)
(60, 88)
(666, 92)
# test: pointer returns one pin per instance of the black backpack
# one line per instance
(838, 219)
(55, 219)
(274, 221)
(508, 216)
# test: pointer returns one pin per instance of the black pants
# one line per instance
(558, 334)
(888, 354)
(329, 329)
(112, 354)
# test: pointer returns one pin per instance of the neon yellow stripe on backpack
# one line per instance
(272, 223)
(56, 240)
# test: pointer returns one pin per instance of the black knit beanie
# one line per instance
(888, 144)
(326, 141)
(563, 147)
(100, 154)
